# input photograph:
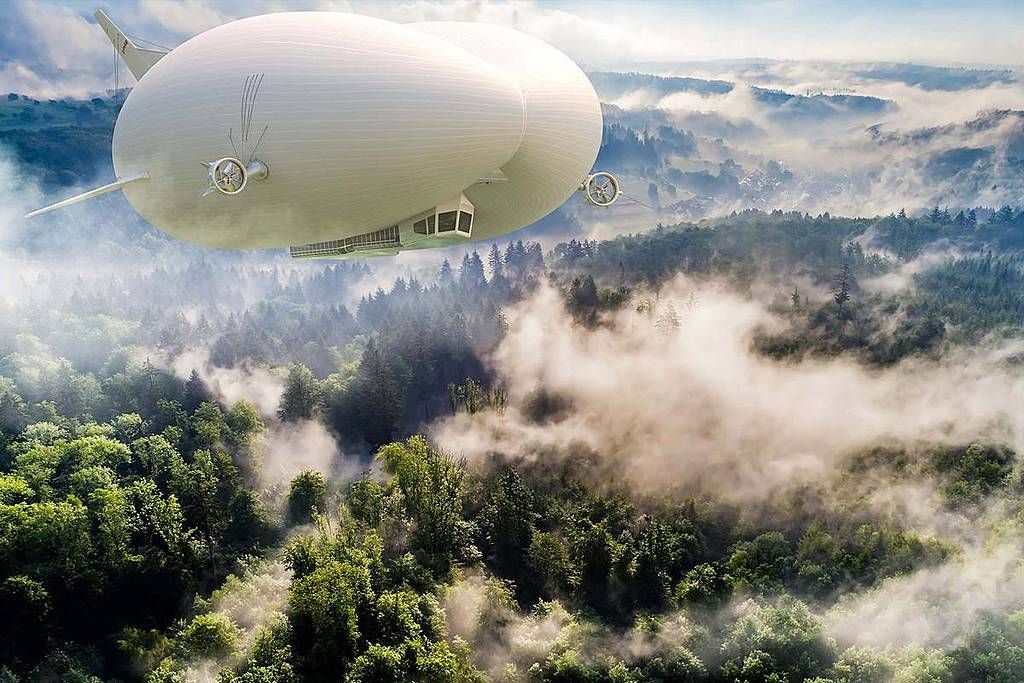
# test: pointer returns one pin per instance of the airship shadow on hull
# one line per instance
(341, 135)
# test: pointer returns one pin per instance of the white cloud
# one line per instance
(50, 51)
(933, 607)
(68, 38)
(188, 17)
(260, 386)
(702, 410)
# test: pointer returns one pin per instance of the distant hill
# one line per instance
(612, 85)
(821, 106)
(61, 142)
(935, 77)
(762, 71)
(786, 106)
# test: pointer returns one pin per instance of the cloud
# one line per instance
(592, 40)
(498, 636)
(187, 17)
(260, 386)
(51, 51)
(43, 37)
(902, 277)
(698, 409)
(286, 448)
(952, 145)
(289, 449)
(16, 193)
(932, 607)
(253, 599)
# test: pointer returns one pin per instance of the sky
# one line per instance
(53, 48)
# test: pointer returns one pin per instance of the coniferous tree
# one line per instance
(471, 274)
(445, 276)
(196, 392)
(495, 263)
(501, 324)
(301, 398)
(841, 285)
(583, 299)
(668, 320)
(377, 396)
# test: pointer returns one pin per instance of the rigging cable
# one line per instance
(148, 42)
(634, 199)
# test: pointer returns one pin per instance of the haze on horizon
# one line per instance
(52, 48)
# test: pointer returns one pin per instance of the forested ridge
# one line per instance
(147, 531)
(770, 446)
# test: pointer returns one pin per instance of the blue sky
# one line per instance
(50, 47)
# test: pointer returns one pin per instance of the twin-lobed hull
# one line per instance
(364, 124)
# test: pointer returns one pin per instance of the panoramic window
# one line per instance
(420, 227)
(465, 221)
(446, 221)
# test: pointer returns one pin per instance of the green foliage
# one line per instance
(550, 561)
(826, 561)
(210, 635)
(379, 663)
(472, 397)
(352, 615)
(760, 565)
(702, 586)
(375, 400)
(306, 497)
(324, 607)
(128, 495)
(431, 483)
(974, 294)
(301, 399)
(370, 502)
(196, 392)
(994, 651)
(270, 658)
(506, 523)
(973, 472)
(776, 642)
(146, 648)
(93, 516)
(25, 605)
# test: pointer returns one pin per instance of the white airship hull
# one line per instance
(362, 128)
(562, 133)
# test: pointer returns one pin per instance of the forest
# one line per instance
(764, 447)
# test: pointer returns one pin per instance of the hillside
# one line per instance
(719, 433)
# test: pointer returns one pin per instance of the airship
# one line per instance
(340, 135)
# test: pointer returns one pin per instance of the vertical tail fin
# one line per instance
(139, 60)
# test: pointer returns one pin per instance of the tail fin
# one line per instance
(139, 60)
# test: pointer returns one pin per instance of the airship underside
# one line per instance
(338, 134)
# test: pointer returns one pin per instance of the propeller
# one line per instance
(227, 176)
(601, 188)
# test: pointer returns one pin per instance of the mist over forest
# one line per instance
(759, 421)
